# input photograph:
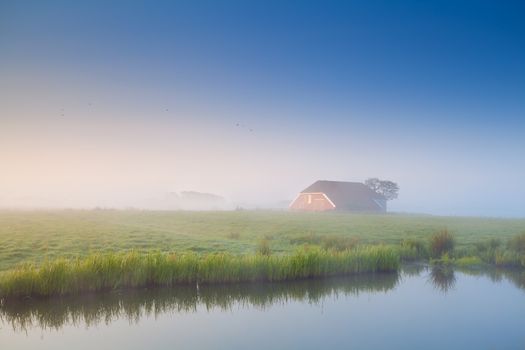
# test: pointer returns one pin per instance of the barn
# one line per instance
(338, 195)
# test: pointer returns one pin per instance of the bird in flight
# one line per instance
(243, 126)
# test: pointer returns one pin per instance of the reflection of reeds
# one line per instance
(442, 278)
(135, 304)
(516, 277)
(135, 270)
(496, 274)
(413, 269)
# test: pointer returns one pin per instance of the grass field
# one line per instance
(44, 235)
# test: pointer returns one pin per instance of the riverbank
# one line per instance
(358, 300)
(72, 252)
(102, 272)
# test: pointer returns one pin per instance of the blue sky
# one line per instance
(430, 94)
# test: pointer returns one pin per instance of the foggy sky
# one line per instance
(119, 104)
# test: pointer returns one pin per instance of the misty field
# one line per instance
(45, 235)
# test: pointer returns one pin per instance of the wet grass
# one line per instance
(102, 272)
(61, 252)
(328, 242)
(45, 235)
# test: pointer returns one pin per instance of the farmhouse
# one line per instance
(338, 195)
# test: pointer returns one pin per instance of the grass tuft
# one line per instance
(441, 242)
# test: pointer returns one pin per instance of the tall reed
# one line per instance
(441, 242)
(133, 270)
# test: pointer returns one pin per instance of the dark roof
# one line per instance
(347, 195)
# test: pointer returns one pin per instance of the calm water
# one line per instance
(418, 309)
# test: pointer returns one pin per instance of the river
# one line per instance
(419, 308)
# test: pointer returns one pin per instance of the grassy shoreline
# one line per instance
(71, 252)
(37, 236)
(441, 250)
(102, 272)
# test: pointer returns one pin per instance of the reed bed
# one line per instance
(100, 272)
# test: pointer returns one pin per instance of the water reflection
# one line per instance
(442, 278)
(414, 269)
(133, 305)
(515, 276)
(105, 308)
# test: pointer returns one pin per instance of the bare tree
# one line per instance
(386, 188)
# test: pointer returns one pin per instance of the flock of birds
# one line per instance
(238, 125)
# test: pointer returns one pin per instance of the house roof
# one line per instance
(347, 195)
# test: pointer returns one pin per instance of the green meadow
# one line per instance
(38, 236)
(47, 253)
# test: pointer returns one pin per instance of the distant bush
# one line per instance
(441, 242)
